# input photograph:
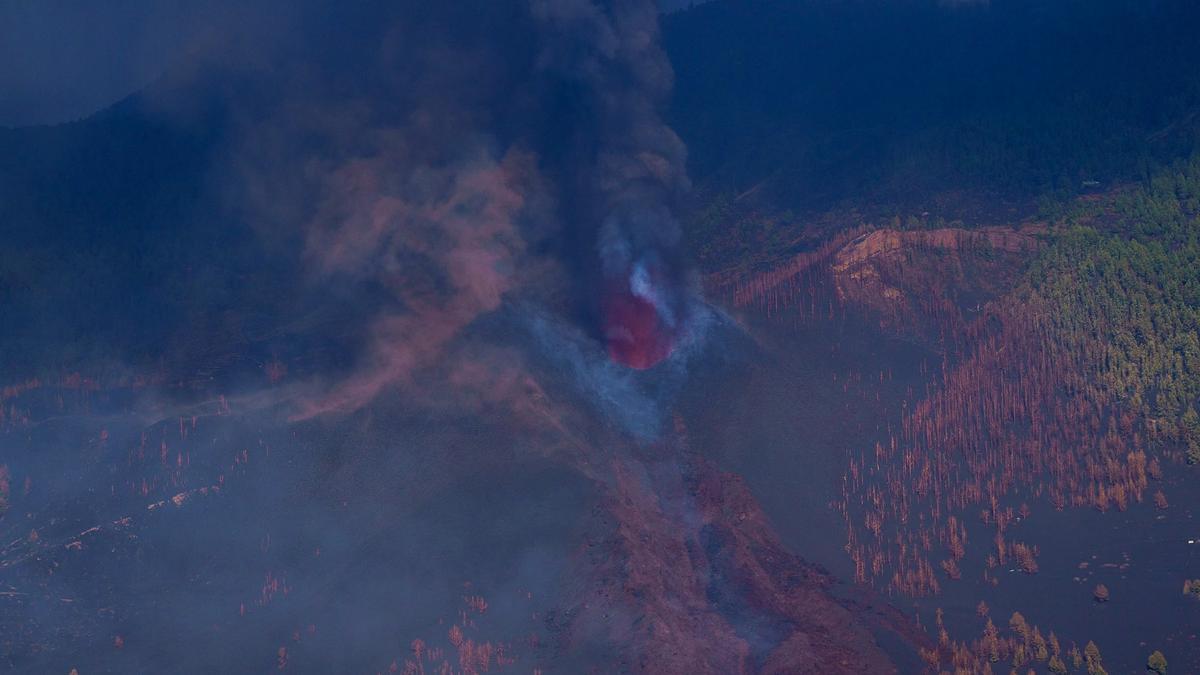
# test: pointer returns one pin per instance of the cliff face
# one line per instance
(912, 280)
(888, 242)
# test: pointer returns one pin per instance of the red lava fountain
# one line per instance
(636, 334)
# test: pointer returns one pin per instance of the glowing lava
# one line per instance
(636, 333)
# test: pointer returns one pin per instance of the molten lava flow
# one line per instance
(635, 331)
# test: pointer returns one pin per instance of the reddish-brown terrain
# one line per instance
(685, 570)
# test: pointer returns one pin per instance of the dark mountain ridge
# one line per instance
(892, 101)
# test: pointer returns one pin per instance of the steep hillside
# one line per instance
(1063, 386)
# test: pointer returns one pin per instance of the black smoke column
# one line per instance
(634, 174)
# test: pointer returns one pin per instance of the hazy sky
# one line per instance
(65, 59)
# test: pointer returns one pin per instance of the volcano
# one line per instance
(470, 337)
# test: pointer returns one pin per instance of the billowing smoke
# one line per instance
(635, 175)
(442, 157)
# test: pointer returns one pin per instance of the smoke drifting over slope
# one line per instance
(432, 160)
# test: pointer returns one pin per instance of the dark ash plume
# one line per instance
(632, 180)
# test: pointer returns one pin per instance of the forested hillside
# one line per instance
(1126, 276)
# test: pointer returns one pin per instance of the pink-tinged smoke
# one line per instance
(370, 164)
(465, 235)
